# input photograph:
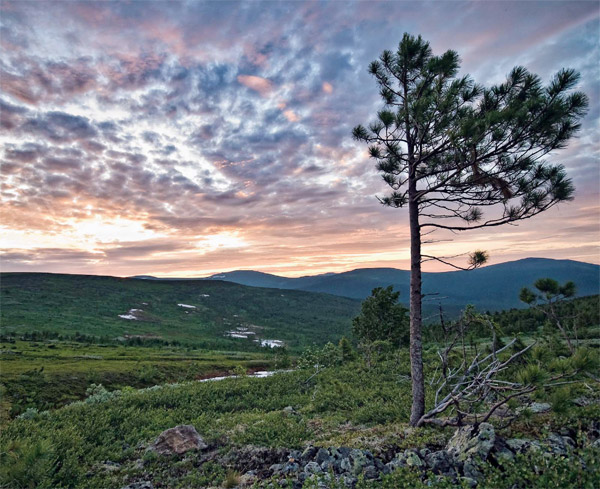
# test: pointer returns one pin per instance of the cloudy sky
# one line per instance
(188, 138)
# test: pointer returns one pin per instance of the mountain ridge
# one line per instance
(493, 287)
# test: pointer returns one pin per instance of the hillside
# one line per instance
(198, 312)
(493, 288)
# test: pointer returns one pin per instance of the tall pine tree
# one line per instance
(450, 149)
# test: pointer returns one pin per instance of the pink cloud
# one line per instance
(256, 83)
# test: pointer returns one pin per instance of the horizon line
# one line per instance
(284, 276)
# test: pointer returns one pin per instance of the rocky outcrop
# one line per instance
(178, 440)
(462, 459)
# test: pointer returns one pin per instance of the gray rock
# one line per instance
(359, 461)
(295, 455)
(289, 410)
(309, 453)
(322, 456)
(290, 468)
(370, 472)
(472, 441)
(583, 401)
(518, 445)
(413, 460)
(345, 465)
(398, 461)
(276, 468)
(471, 468)
(501, 451)
(556, 444)
(178, 440)
(312, 468)
(348, 480)
(539, 407)
(440, 462)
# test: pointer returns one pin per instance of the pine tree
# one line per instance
(450, 148)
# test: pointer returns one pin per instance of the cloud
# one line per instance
(168, 119)
(256, 83)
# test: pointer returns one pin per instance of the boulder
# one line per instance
(540, 407)
(440, 462)
(471, 445)
(312, 468)
(472, 442)
(322, 456)
(370, 472)
(413, 459)
(309, 453)
(518, 445)
(178, 440)
(359, 461)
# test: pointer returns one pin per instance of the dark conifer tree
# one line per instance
(450, 149)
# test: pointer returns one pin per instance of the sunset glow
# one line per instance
(190, 138)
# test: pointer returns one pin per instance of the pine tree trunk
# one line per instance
(416, 348)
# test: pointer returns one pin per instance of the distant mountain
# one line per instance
(494, 287)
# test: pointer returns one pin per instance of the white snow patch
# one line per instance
(187, 305)
(237, 335)
(130, 315)
(204, 295)
(271, 343)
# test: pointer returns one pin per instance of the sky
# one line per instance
(189, 138)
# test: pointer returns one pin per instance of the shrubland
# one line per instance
(80, 411)
(337, 400)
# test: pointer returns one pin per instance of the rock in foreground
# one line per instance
(178, 440)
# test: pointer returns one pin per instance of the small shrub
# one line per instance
(232, 479)
(561, 400)
(531, 375)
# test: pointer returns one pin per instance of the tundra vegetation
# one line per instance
(337, 396)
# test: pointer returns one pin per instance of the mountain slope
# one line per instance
(490, 288)
(198, 311)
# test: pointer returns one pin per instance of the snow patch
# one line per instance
(204, 295)
(187, 305)
(130, 315)
(271, 343)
